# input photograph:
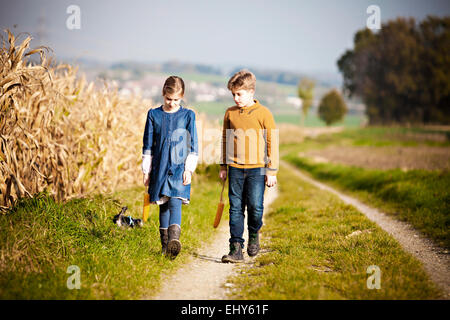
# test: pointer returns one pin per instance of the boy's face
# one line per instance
(172, 101)
(243, 98)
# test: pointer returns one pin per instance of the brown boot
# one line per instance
(235, 254)
(253, 244)
(164, 235)
(174, 245)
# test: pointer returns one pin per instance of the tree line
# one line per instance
(401, 71)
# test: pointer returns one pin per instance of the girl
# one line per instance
(169, 157)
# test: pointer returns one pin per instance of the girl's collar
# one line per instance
(162, 109)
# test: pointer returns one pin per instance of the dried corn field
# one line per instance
(61, 134)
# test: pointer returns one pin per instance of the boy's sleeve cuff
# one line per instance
(271, 171)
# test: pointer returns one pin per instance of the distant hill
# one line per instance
(167, 67)
(292, 78)
(326, 79)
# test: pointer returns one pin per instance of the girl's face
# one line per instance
(172, 101)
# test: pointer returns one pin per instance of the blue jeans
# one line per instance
(170, 213)
(245, 188)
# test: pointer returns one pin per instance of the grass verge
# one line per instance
(420, 197)
(40, 239)
(307, 252)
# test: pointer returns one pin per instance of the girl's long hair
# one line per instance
(173, 85)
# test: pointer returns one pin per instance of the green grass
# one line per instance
(419, 197)
(313, 120)
(203, 77)
(306, 255)
(212, 109)
(40, 239)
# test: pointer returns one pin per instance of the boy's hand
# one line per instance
(146, 179)
(223, 175)
(187, 175)
(270, 180)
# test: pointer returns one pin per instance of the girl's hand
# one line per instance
(270, 180)
(187, 175)
(146, 179)
(223, 175)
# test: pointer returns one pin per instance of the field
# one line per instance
(404, 171)
(389, 157)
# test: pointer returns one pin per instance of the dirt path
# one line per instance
(435, 259)
(205, 276)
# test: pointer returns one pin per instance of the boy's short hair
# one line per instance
(242, 80)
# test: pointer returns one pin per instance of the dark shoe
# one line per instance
(253, 244)
(174, 245)
(164, 235)
(235, 254)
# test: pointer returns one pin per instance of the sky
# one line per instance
(289, 35)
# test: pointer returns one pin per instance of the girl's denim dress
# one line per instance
(169, 138)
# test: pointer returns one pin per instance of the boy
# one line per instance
(249, 158)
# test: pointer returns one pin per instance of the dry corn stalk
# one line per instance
(61, 134)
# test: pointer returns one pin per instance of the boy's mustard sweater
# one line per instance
(250, 138)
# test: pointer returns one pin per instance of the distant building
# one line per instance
(205, 97)
(295, 101)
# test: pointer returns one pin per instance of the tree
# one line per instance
(401, 72)
(306, 94)
(332, 107)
